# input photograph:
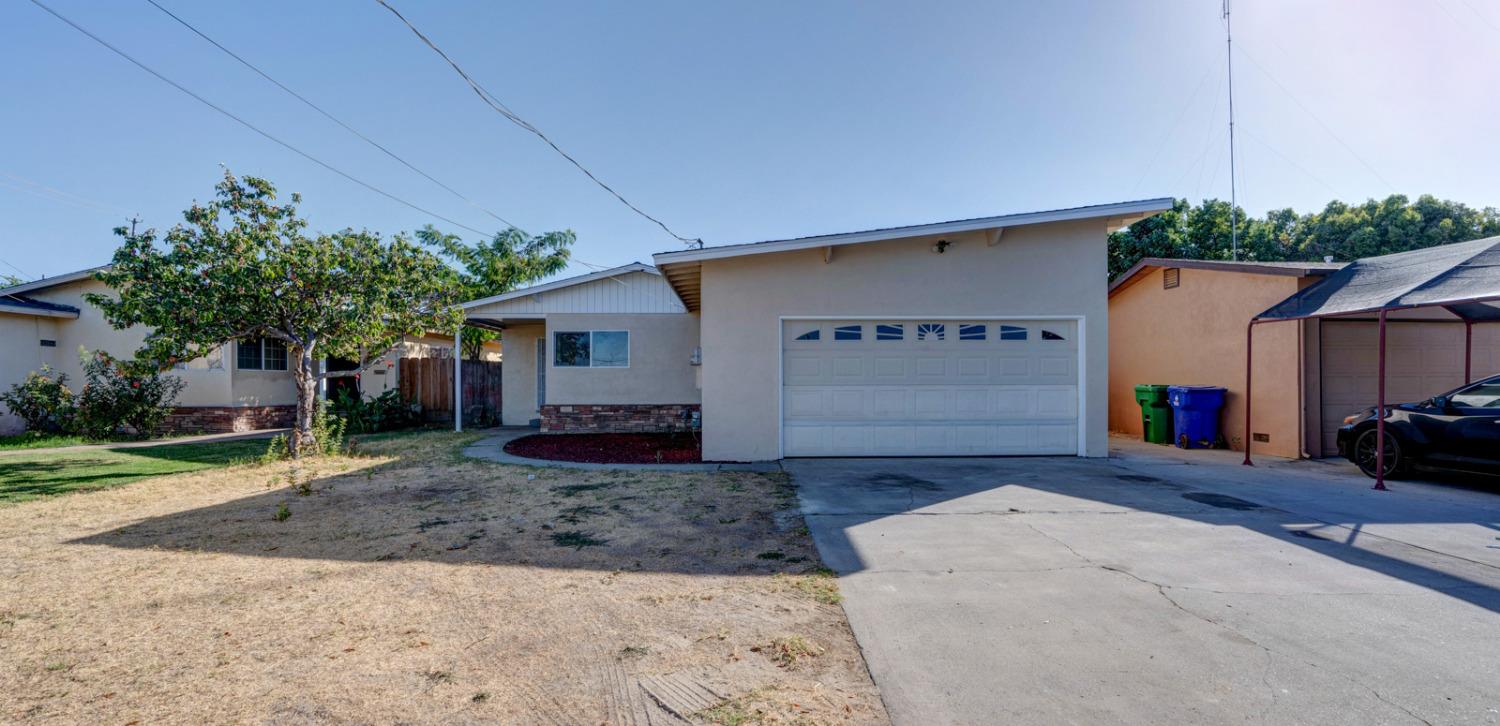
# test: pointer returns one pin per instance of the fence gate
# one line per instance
(428, 382)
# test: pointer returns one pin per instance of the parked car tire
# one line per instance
(1396, 462)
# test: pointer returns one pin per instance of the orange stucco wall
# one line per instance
(1194, 334)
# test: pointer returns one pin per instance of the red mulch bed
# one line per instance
(680, 448)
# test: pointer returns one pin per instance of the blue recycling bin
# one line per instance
(1195, 415)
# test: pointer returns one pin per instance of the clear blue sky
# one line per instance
(739, 122)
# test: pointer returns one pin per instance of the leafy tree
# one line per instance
(9, 280)
(507, 261)
(243, 267)
(1341, 231)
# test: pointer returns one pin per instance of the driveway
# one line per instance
(1161, 586)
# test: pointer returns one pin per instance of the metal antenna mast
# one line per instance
(1234, 230)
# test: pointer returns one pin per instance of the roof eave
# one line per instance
(560, 284)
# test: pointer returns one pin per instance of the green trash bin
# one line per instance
(1156, 413)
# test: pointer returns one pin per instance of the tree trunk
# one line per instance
(302, 439)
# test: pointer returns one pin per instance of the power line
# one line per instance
(31, 186)
(1171, 130)
(326, 114)
(17, 269)
(500, 108)
(254, 128)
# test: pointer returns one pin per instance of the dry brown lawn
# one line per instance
(409, 584)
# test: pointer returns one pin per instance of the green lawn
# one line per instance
(33, 476)
(36, 440)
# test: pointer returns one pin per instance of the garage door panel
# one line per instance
(963, 390)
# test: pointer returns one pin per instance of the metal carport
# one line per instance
(1462, 278)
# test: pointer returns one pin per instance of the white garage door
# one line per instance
(1422, 359)
(929, 387)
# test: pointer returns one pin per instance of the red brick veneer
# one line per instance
(227, 419)
(617, 418)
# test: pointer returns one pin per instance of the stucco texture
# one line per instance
(518, 374)
(1194, 334)
(1056, 269)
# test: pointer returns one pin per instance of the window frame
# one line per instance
(259, 346)
(552, 362)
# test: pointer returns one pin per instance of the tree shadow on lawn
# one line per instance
(465, 512)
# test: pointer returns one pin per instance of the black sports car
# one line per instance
(1457, 430)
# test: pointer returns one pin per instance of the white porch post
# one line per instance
(458, 378)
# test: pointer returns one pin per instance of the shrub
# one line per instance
(123, 395)
(328, 436)
(386, 412)
(43, 400)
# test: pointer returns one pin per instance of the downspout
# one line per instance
(1468, 351)
(1249, 360)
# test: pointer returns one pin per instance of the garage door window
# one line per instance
(931, 331)
(890, 331)
(813, 334)
(1049, 335)
(849, 332)
(1012, 332)
(970, 332)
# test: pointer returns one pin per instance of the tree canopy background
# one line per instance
(1342, 231)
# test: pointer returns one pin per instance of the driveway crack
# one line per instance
(1161, 590)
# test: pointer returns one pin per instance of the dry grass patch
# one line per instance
(411, 584)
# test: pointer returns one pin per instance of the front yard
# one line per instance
(410, 584)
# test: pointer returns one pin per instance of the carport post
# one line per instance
(1249, 359)
(1468, 350)
(1380, 410)
(458, 378)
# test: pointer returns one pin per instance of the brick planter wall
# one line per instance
(617, 418)
(227, 419)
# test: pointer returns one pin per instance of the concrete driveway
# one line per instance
(1162, 587)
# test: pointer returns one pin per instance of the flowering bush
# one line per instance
(43, 400)
(123, 397)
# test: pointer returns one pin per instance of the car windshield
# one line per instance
(1484, 395)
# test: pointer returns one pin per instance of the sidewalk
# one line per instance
(200, 439)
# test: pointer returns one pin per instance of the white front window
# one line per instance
(591, 349)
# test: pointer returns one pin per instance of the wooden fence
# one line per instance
(429, 383)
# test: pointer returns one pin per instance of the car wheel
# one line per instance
(1364, 455)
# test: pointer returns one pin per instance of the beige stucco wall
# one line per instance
(518, 375)
(21, 352)
(1036, 270)
(1194, 334)
(660, 371)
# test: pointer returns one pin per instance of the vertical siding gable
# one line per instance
(632, 292)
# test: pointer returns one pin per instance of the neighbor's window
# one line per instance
(1012, 332)
(1484, 395)
(931, 331)
(260, 354)
(591, 349)
(968, 331)
(848, 332)
(890, 331)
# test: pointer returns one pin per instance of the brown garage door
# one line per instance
(1423, 359)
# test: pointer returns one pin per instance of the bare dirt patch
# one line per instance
(412, 585)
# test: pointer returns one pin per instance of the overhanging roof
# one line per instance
(565, 282)
(681, 268)
(1463, 278)
(47, 282)
(1293, 269)
(22, 305)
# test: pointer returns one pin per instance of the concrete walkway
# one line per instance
(1162, 586)
(200, 439)
(492, 448)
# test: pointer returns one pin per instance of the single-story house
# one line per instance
(971, 337)
(238, 387)
(1184, 321)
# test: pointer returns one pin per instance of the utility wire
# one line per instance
(1171, 130)
(17, 269)
(1315, 117)
(500, 108)
(254, 128)
(328, 115)
(30, 186)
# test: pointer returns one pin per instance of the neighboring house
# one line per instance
(1183, 322)
(980, 336)
(238, 387)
